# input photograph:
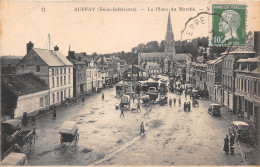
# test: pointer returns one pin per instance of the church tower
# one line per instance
(169, 46)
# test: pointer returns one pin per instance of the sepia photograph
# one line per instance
(133, 83)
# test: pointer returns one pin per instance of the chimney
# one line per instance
(30, 45)
(79, 58)
(257, 43)
(56, 48)
(71, 54)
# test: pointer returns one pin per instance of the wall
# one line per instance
(30, 103)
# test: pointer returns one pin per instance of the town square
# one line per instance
(116, 97)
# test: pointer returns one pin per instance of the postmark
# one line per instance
(228, 25)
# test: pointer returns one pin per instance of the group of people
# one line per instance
(187, 106)
(174, 101)
(229, 144)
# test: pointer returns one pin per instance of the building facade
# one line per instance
(214, 79)
(51, 66)
(229, 64)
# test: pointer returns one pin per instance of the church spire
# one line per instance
(169, 39)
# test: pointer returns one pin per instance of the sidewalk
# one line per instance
(248, 152)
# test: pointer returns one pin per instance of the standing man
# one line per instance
(179, 102)
(138, 107)
(170, 102)
(122, 112)
(174, 101)
(142, 128)
(83, 100)
(231, 144)
(33, 119)
(103, 96)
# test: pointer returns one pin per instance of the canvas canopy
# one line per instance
(69, 127)
(14, 159)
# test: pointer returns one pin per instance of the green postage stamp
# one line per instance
(228, 25)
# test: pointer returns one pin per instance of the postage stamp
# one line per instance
(228, 25)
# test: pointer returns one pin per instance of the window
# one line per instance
(61, 71)
(60, 80)
(69, 79)
(53, 98)
(52, 72)
(69, 92)
(242, 84)
(64, 80)
(69, 70)
(65, 93)
(38, 68)
(248, 86)
(255, 87)
(245, 89)
(57, 81)
(41, 102)
(58, 97)
(53, 82)
(64, 70)
(57, 71)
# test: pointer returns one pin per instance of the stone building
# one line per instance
(51, 66)
(229, 64)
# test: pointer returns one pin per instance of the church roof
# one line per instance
(153, 55)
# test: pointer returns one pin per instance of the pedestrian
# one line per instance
(103, 96)
(184, 106)
(33, 119)
(174, 101)
(133, 98)
(226, 145)
(179, 102)
(232, 140)
(138, 107)
(122, 113)
(232, 150)
(189, 105)
(170, 102)
(142, 128)
(190, 94)
(24, 120)
(54, 114)
(83, 100)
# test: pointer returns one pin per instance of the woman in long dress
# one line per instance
(226, 145)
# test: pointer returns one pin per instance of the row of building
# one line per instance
(233, 80)
(43, 78)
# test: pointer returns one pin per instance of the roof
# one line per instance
(5, 61)
(13, 122)
(237, 52)
(75, 61)
(255, 59)
(139, 67)
(23, 84)
(240, 123)
(219, 59)
(53, 58)
(153, 55)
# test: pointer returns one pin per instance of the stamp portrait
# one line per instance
(228, 25)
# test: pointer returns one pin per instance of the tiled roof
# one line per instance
(75, 61)
(23, 84)
(53, 58)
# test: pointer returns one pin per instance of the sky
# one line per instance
(100, 31)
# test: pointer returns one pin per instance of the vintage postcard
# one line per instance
(147, 83)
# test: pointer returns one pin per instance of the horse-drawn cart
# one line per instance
(69, 133)
(13, 136)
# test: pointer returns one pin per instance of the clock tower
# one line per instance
(169, 46)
